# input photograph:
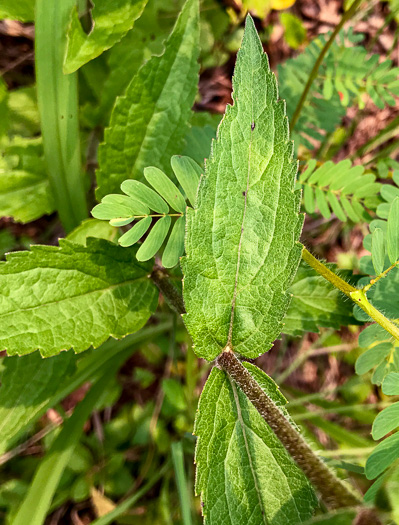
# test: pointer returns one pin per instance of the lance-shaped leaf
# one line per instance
(149, 123)
(111, 22)
(241, 242)
(73, 296)
(244, 474)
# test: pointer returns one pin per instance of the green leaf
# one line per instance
(241, 241)
(135, 233)
(24, 196)
(244, 474)
(393, 232)
(37, 501)
(316, 303)
(175, 247)
(111, 21)
(143, 193)
(372, 357)
(149, 122)
(154, 240)
(27, 385)
(382, 456)
(165, 187)
(378, 250)
(390, 386)
(73, 296)
(92, 228)
(386, 421)
(294, 30)
(22, 10)
(188, 174)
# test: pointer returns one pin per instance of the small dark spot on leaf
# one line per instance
(253, 126)
(244, 193)
(62, 116)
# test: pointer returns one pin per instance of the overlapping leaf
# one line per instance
(244, 474)
(22, 10)
(143, 204)
(25, 193)
(111, 21)
(149, 123)
(316, 303)
(241, 242)
(73, 296)
(341, 188)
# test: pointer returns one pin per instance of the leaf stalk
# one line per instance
(358, 296)
(333, 491)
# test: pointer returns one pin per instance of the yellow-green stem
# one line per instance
(358, 296)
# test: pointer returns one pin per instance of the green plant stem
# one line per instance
(334, 492)
(358, 296)
(57, 96)
(313, 74)
(172, 295)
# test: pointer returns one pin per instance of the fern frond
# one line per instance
(341, 188)
(142, 204)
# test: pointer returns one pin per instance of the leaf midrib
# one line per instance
(253, 470)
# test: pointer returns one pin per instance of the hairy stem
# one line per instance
(334, 492)
(172, 295)
(313, 74)
(358, 296)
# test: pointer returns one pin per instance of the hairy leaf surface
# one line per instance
(241, 243)
(149, 122)
(111, 21)
(73, 296)
(244, 474)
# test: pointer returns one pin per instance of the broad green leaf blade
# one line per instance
(378, 250)
(111, 21)
(37, 501)
(393, 232)
(27, 385)
(24, 196)
(382, 456)
(135, 233)
(241, 242)
(149, 123)
(188, 174)
(22, 10)
(143, 193)
(390, 386)
(73, 296)
(244, 474)
(175, 247)
(386, 421)
(316, 303)
(92, 228)
(154, 240)
(165, 187)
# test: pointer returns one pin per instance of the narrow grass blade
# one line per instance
(58, 105)
(181, 482)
